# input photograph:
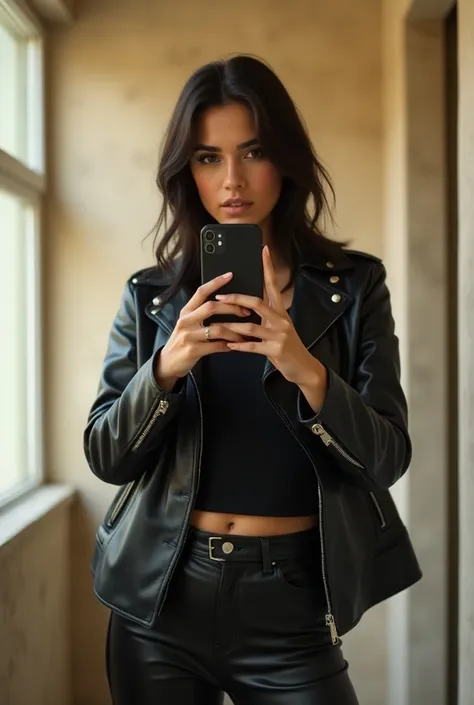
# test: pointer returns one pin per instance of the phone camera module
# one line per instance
(210, 249)
(209, 235)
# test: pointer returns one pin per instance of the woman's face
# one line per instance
(236, 183)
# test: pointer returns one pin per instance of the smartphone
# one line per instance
(236, 248)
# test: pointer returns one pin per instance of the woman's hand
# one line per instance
(189, 341)
(279, 339)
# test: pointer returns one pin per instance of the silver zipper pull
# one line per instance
(332, 628)
(322, 433)
(162, 407)
(160, 410)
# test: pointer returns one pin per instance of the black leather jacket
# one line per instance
(150, 442)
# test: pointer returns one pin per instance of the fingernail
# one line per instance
(227, 275)
(221, 297)
(245, 312)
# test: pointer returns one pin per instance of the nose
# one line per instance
(234, 177)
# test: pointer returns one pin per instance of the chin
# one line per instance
(247, 219)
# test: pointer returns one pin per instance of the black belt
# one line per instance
(265, 549)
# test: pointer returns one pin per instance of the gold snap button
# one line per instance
(330, 265)
(334, 280)
(336, 298)
(227, 547)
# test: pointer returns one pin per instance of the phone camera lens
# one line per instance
(210, 249)
(209, 235)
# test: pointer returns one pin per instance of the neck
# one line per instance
(267, 235)
(282, 270)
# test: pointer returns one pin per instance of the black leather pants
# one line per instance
(251, 624)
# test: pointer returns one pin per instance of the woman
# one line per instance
(254, 524)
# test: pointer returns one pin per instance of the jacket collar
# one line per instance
(319, 299)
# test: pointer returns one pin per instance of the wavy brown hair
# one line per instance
(283, 137)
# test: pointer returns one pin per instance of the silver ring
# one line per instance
(207, 332)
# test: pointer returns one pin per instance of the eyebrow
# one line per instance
(209, 148)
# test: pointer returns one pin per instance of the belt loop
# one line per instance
(267, 560)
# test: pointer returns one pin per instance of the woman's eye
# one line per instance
(208, 158)
(255, 153)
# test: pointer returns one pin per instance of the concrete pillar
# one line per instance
(466, 352)
(427, 359)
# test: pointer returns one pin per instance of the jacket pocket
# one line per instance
(122, 500)
(382, 522)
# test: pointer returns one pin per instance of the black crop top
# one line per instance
(251, 463)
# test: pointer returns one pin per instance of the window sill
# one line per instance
(19, 516)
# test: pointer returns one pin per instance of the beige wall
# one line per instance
(113, 79)
(35, 635)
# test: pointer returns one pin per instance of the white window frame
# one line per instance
(28, 181)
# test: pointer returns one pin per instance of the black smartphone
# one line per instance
(236, 248)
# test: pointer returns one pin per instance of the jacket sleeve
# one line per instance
(129, 416)
(363, 425)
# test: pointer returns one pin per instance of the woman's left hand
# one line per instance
(279, 339)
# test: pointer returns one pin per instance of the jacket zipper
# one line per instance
(181, 540)
(379, 510)
(184, 532)
(328, 440)
(160, 410)
(329, 617)
(129, 492)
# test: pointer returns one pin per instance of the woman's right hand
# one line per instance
(188, 342)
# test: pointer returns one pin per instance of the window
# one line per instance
(21, 190)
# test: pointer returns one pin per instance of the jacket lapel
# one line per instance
(317, 303)
(316, 307)
(167, 315)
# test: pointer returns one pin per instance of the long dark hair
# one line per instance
(284, 140)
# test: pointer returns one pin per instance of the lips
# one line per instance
(235, 203)
(234, 208)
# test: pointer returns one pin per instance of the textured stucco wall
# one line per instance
(113, 79)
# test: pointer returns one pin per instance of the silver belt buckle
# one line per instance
(211, 548)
